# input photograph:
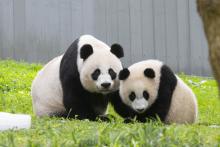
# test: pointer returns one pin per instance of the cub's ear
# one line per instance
(117, 50)
(85, 51)
(149, 72)
(123, 74)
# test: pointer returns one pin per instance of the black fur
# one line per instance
(132, 96)
(79, 103)
(117, 50)
(123, 74)
(85, 51)
(122, 109)
(146, 95)
(96, 74)
(159, 108)
(149, 72)
(112, 73)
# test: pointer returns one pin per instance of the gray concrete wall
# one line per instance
(169, 30)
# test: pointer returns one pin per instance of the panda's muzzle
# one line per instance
(139, 105)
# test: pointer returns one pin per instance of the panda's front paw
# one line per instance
(106, 118)
(128, 120)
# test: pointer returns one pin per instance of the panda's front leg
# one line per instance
(122, 109)
(106, 118)
(75, 107)
(135, 118)
(128, 120)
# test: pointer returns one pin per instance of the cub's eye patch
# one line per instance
(146, 95)
(112, 73)
(96, 74)
(132, 96)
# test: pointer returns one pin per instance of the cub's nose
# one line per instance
(106, 85)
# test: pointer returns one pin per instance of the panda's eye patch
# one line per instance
(112, 73)
(96, 74)
(132, 96)
(146, 95)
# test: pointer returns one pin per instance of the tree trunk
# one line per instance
(210, 13)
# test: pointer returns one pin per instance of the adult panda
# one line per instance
(75, 84)
(149, 89)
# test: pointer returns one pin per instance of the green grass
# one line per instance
(15, 82)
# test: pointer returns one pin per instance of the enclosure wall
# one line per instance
(169, 30)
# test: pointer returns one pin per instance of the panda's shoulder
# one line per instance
(168, 77)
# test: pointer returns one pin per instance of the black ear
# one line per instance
(117, 50)
(85, 51)
(149, 72)
(123, 74)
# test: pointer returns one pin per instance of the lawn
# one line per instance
(15, 82)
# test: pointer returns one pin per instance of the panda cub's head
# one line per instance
(99, 65)
(139, 84)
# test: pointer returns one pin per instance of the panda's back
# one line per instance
(46, 89)
(183, 107)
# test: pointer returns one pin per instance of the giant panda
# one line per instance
(74, 84)
(150, 90)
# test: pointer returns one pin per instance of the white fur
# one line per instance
(137, 81)
(46, 89)
(139, 103)
(96, 61)
(95, 43)
(183, 107)
(101, 58)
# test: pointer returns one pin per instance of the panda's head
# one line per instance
(139, 84)
(100, 67)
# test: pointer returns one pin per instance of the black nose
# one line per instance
(140, 110)
(106, 85)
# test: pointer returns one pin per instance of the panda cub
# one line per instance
(75, 83)
(149, 89)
